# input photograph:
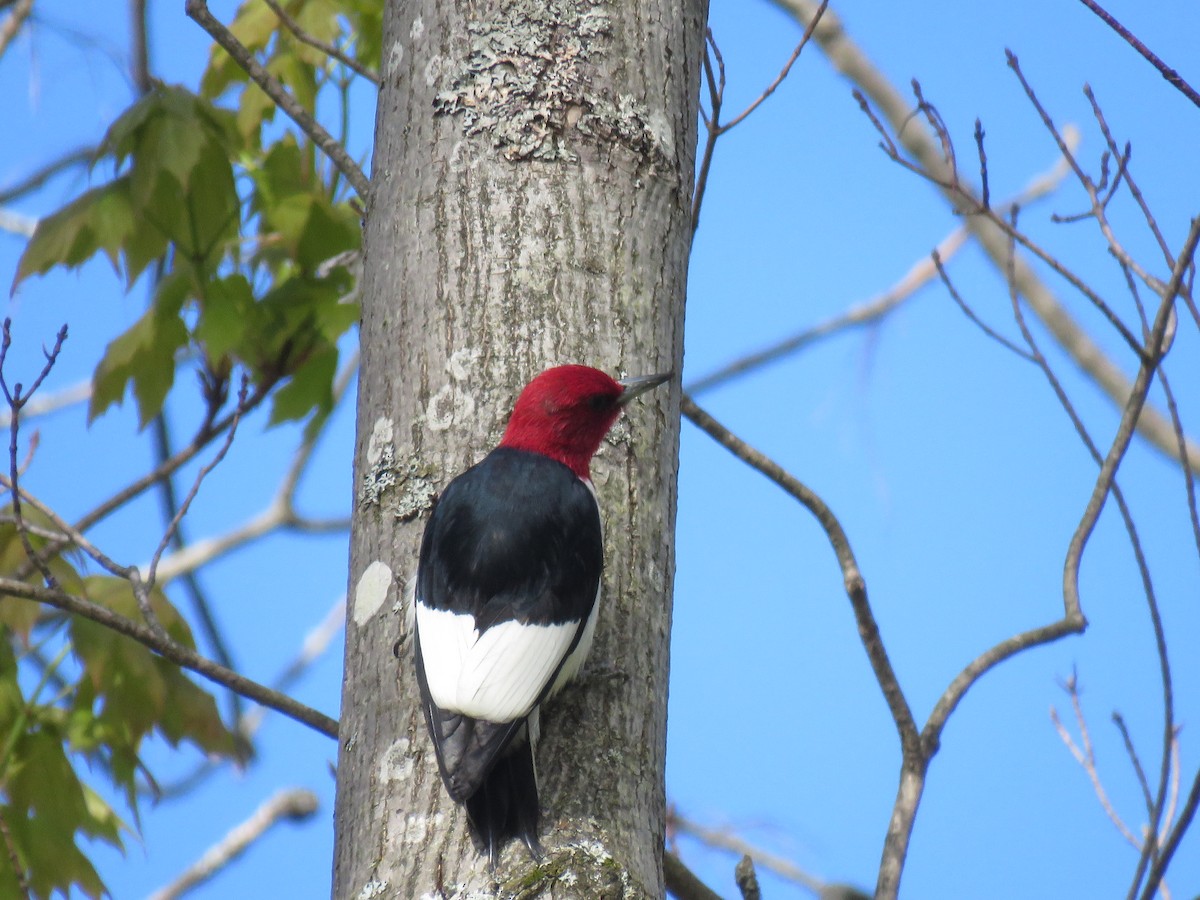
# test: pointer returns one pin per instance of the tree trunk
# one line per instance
(531, 206)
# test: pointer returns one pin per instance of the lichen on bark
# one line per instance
(526, 83)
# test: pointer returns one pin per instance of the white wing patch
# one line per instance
(496, 676)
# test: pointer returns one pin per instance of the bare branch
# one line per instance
(920, 274)
(294, 804)
(1135, 761)
(856, 316)
(10, 26)
(682, 883)
(13, 859)
(856, 588)
(15, 223)
(716, 94)
(173, 651)
(315, 643)
(198, 11)
(747, 879)
(723, 839)
(1155, 349)
(139, 66)
(849, 59)
(210, 429)
(280, 514)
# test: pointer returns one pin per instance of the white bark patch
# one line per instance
(380, 471)
(660, 127)
(397, 762)
(418, 29)
(448, 407)
(371, 591)
(433, 70)
(395, 58)
(371, 890)
(461, 364)
(381, 437)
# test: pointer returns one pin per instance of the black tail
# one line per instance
(506, 805)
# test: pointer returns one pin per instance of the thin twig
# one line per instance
(40, 176)
(280, 514)
(198, 10)
(1086, 758)
(294, 804)
(316, 642)
(783, 73)
(152, 569)
(328, 49)
(50, 403)
(1173, 77)
(1136, 762)
(14, 859)
(712, 126)
(970, 313)
(208, 431)
(16, 401)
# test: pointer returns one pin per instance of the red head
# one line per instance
(565, 412)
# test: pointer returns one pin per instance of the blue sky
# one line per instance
(956, 475)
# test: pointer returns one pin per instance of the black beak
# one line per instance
(635, 387)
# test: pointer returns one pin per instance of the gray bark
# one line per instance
(530, 207)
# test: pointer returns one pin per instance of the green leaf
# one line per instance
(311, 232)
(50, 858)
(140, 690)
(365, 18)
(98, 220)
(144, 355)
(254, 25)
(226, 312)
(213, 211)
(310, 388)
(17, 614)
(41, 779)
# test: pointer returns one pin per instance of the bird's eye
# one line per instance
(599, 401)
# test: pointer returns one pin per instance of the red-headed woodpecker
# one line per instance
(508, 587)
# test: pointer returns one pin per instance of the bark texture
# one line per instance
(530, 207)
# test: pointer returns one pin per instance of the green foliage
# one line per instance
(231, 227)
(109, 693)
(232, 221)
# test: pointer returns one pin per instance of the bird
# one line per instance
(507, 596)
